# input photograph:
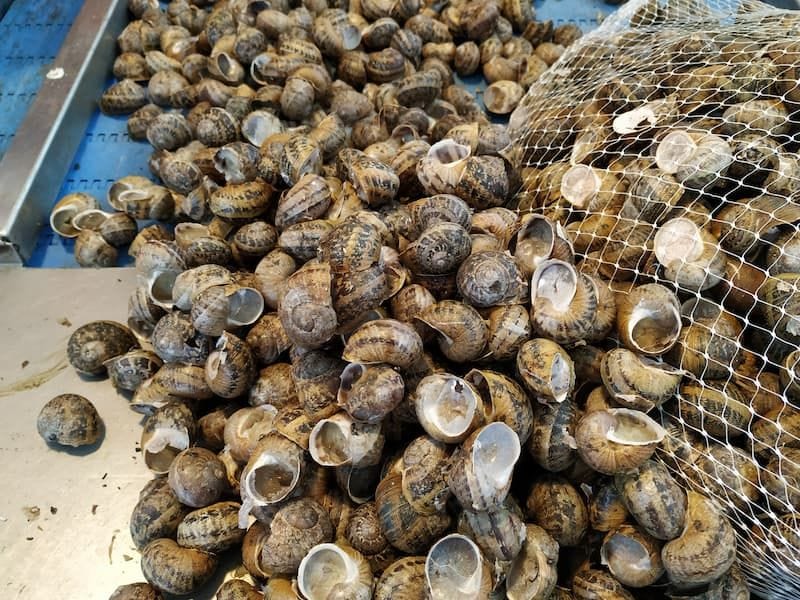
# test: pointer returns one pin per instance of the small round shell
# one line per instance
(176, 570)
(92, 344)
(197, 477)
(69, 420)
(546, 369)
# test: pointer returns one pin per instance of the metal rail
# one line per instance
(34, 166)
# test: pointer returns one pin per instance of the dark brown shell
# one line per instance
(369, 393)
(122, 98)
(364, 532)
(231, 368)
(136, 591)
(92, 344)
(214, 528)
(157, 514)
(404, 578)
(551, 443)
(176, 570)
(274, 385)
(654, 499)
(69, 420)
(558, 507)
(490, 279)
(440, 249)
(197, 477)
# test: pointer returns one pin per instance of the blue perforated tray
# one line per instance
(106, 153)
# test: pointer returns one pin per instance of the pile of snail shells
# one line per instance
(699, 196)
(359, 369)
(229, 93)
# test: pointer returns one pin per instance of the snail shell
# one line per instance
(589, 584)
(508, 328)
(480, 475)
(557, 506)
(123, 98)
(271, 275)
(212, 427)
(316, 377)
(462, 332)
(157, 513)
(306, 308)
(238, 589)
(448, 407)
(500, 532)
(490, 279)
(423, 467)
(483, 183)
(69, 420)
(384, 341)
(338, 441)
(272, 473)
(136, 591)
(533, 572)
(174, 569)
(617, 440)
(440, 249)
(363, 530)
(654, 499)
(369, 393)
(66, 209)
(185, 381)
(708, 347)
(267, 339)
(296, 528)
(404, 579)
(455, 566)
(94, 343)
(505, 399)
(404, 528)
(174, 339)
(705, 550)
(742, 225)
(214, 528)
(440, 170)
(308, 199)
(648, 319)
(689, 254)
(718, 407)
(539, 239)
(240, 200)
(92, 250)
(128, 371)
(551, 442)
(632, 556)
(167, 432)
(230, 369)
(157, 256)
(274, 386)
(606, 508)
(442, 208)
(781, 478)
(546, 370)
(729, 473)
(636, 381)
(197, 477)
(332, 569)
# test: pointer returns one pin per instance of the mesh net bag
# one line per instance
(665, 143)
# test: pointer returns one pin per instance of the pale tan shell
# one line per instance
(384, 341)
(462, 332)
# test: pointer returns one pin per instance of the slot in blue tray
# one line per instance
(106, 153)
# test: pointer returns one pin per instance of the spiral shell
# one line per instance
(546, 370)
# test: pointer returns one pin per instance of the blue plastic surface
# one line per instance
(31, 33)
(106, 153)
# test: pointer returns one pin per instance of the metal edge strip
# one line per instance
(34, 167)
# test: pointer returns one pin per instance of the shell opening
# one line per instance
(245, 306)
(91, 219)
(556, 282)
(61, 221)
(350, 375)
(329, 443)
(450, 409)
(187, 233)
(633, 428)
(534, 242)
(272, 480)
(350, 37)
(495, 452)
(560, 378)
(259, 125)
(160, 288)
(675, 151)
(163, 446)
(453, 568)
(448, 152)
(579, 185)
(228, 162)
(213, 363)
(678, 240)
(623, 552)
(654, 326)
(324, 568)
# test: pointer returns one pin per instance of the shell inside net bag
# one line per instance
(665, 143)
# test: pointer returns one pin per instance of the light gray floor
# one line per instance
(77, 546)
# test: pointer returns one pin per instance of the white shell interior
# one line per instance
(453, 569)
(495, 451)
(259, 125)
(446, 406)
(675, 151)
(159, 287)
(534, 242)
(623, 553)
(579, 185)
(678, 240)
(92, 219)
(162, 446)
(560, 378)
(633, 428)
(329, 442)
(245, 306)
(556, 282)
(654, 326)
(322, 569)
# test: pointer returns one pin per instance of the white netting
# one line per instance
(666, 142)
